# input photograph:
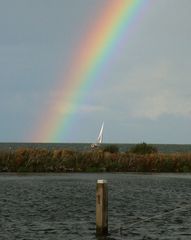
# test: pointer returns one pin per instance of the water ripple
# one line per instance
(62, 206)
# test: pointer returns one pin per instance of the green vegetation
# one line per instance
(143, 148)
(112, 148)
(43, 160)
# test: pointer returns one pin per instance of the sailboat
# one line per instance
(99, 139)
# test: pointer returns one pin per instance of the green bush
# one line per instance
(143, 148)
(111, 148)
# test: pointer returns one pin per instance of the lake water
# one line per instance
(62, 206)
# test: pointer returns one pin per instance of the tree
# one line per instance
(143, 148)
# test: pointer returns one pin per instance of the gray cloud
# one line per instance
(143, 95)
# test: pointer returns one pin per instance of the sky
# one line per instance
(144, 96)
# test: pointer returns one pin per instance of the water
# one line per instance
(62, 206)
(166, 148)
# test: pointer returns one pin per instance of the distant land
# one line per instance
(123, 147)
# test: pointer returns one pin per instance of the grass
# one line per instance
(43, 160)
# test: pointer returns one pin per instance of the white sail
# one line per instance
(100, 137)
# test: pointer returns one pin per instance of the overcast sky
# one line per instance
(146, 95)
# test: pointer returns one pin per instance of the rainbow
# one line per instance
(103, 40)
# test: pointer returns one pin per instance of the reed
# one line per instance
(43, 160)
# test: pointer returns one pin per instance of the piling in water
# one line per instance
(101, 207)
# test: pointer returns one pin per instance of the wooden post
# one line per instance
(101, 208)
